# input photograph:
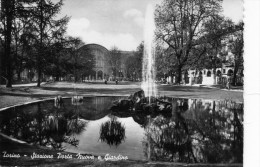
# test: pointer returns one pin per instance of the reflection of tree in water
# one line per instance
(168, 140)
(46, 126)
(202, 132)
(219, 127)
(96, 107)
(112, 132)
(61, 130)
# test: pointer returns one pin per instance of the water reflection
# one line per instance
(96, 107)
(43, 124)
(112, 132)
(198, 131)
(194, 131)
(77, 100)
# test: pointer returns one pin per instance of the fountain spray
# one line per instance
(148, 68)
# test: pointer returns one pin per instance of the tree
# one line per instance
(220, 34)
(180, 24)
(18, 27)
(134, 63)
(2, 44)
(165, 63)
(23, 42)
(58, 44)
(236, 48)
(217, 29)
(74, 45)
(57, 61)
(11, 12)
(28, 19)
(81, 61)
(43, 14)
(8, 13)
(86, 62)
(114, 60)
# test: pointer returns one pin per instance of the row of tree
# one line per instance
(33, 37)
(190, 34)
(194, 34)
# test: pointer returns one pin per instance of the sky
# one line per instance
(119, 22)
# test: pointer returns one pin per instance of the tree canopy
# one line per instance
(134, 63)
(193, 33)
(32, 37)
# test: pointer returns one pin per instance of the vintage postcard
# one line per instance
(122, 82)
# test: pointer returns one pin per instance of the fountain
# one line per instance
(146, 100)
(148, 72)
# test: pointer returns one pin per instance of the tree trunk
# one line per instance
(179, 76)
(39, 72)
(213, 116)
(234, 76)
(8, 37)
(214, 76)
(57, 78)
(1, 66)
(39, 56)
(19, 75)
(76, 78)
(116, 73)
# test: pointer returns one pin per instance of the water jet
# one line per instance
(148, 71)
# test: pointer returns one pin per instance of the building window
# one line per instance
(208, 74)
(230, 72)
(224, 71)
(218, 73)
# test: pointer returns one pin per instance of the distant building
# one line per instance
(206, 77)
(102, 67)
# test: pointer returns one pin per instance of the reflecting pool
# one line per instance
(195, 131)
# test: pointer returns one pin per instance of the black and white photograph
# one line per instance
(125, 83)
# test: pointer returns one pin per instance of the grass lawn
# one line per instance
(25, 93)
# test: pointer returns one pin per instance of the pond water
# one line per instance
(195, 131)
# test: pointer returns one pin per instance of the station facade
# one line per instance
(103, 69)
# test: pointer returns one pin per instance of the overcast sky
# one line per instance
(119, 22)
